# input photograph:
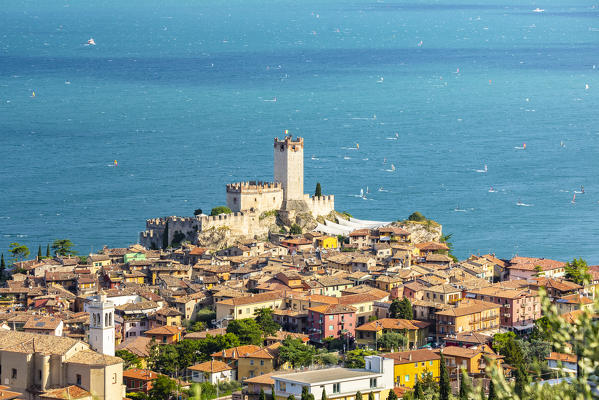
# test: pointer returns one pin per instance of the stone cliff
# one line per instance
(426, 231)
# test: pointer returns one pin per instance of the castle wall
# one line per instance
(153, 236)
(257, 196)
(289, 167)
(322, 205)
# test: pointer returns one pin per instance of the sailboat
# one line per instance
(32, 94)
(91, 42)
(392, 167)
(574, 199)
(362, 193)
(357, 146)
(367, 191)
(482, 171)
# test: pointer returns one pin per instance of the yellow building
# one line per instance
(327, 242)
(472, 359)
(245, 307)
(367, 335)
(469, 316)
(259, 362)
(410, 365)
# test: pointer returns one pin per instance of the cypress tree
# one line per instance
(444, 383)
(39, 252)
(521, 381)
(305, 393)
(262, 395)
(324, 395)
(165, 236)
(358, 395)
(418, 392)
(272, 391)
(2, 267)
(371, 396)
(392, 395)
(318, 191)
(464, 386)
(48, 251)
(492, 394)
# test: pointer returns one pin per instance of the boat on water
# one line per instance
(91, 42)
(392, 167)
(491, 190)
(538, 10)
(573, 199)
(458, 209)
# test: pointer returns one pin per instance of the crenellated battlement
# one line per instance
(289, 143)
(254, 187)
(320, 205)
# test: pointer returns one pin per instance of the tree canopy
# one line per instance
(265, 320)
(162, 388)
(577, 271)
(295, 229)
(296, 352)
(247, 330)
(131, 360)
(401, 309)
(392, 340)
(19, 251)
(220, 210)
(355, 358)
(63, 248)
(416, 216)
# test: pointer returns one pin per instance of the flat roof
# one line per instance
(326, 375)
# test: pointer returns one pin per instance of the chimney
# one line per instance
(410, 357)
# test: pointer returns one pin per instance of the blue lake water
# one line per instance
(177, 91)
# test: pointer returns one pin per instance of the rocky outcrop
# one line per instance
(427, 231)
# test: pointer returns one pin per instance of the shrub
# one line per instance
(416, 216)
(220, 210)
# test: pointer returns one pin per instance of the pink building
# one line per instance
(519, 307)
(331, 320)
(529, 267)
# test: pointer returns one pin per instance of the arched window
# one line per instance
(94, 319)
(106, 319)
(110, 318)
(99, 319)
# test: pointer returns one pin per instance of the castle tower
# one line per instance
(101, 325)
(289, 167)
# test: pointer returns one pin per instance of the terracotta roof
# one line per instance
(571, 358)
(24, 342)
(211, 367)
(574, 299)
(469, 352)
(470, 306)
(203, 334)
(505, 293)
(333, 309)
(360, 232)
(90, 357)
(141, 374)
(391, 323)
(469, 337)
(530, 263)
(137, 345)
(282, 335)
(254, 298)
(235, 352)
(405, 357)
(164, 330)
(197, 251)
(70, 392)
(432, 246)
(42, 323)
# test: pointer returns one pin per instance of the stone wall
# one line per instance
(257, 196)
(320, 206)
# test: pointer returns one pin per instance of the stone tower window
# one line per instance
(282, 147)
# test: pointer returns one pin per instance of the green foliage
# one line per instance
(131, 360)
(541, 330)
(205, 315)
(291, 397)
(306, 395)
(465, 386)
(247, 330)
(318, 191)
(178, 237)
(416, 216)
(401, 309)
(333, 344)
(392, 340)
(418, 391)
(39, 252)
(392, 395)
(262, 395)
(492, 394)
(295, 229)
(296, 352)
(19, 251)
(358, 395)
(2, 268)
(48, 251)
(446, 239)
(510, 347)
(325, 358)
(370, 395)
(577, 271)
(355, 358)
(270, 213)
(63, 248)
(195, 326)
(444, 382)
(265, 320)
(324, 394)
(197, 211)
(137, 396)
(521, 381)
(346, 214)
(220, 210)
(165, 234)
(162, 388)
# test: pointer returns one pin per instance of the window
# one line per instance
(430, 363)
(251, 362)
(336, 388)
(261, 362)
(282, 386)
(78, 377)
(114, 378)
(372, 382)
(330, 327)
(407, 378)
(422, 364)
(240, 311)
(14, 373)
(416, 364)
(39, 375)
(330, 317)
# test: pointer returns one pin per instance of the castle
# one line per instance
(249, 202)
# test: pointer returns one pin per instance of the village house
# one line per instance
(472, 359)
(411, 366)
(416, 332)
(529, 267)
(339, 383)
(447, 293)
(520, 308)
(573, 302)
(138, 380)
(259, 362)
(213, 371)
(44, 325)
(245, 307)
(468, 316)
(333, 320)
(329, 286)
(165, 334)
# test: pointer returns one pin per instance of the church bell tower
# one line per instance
(101, 325)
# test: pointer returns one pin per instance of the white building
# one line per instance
(377, 378)
(101, 325)
(213, 371)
